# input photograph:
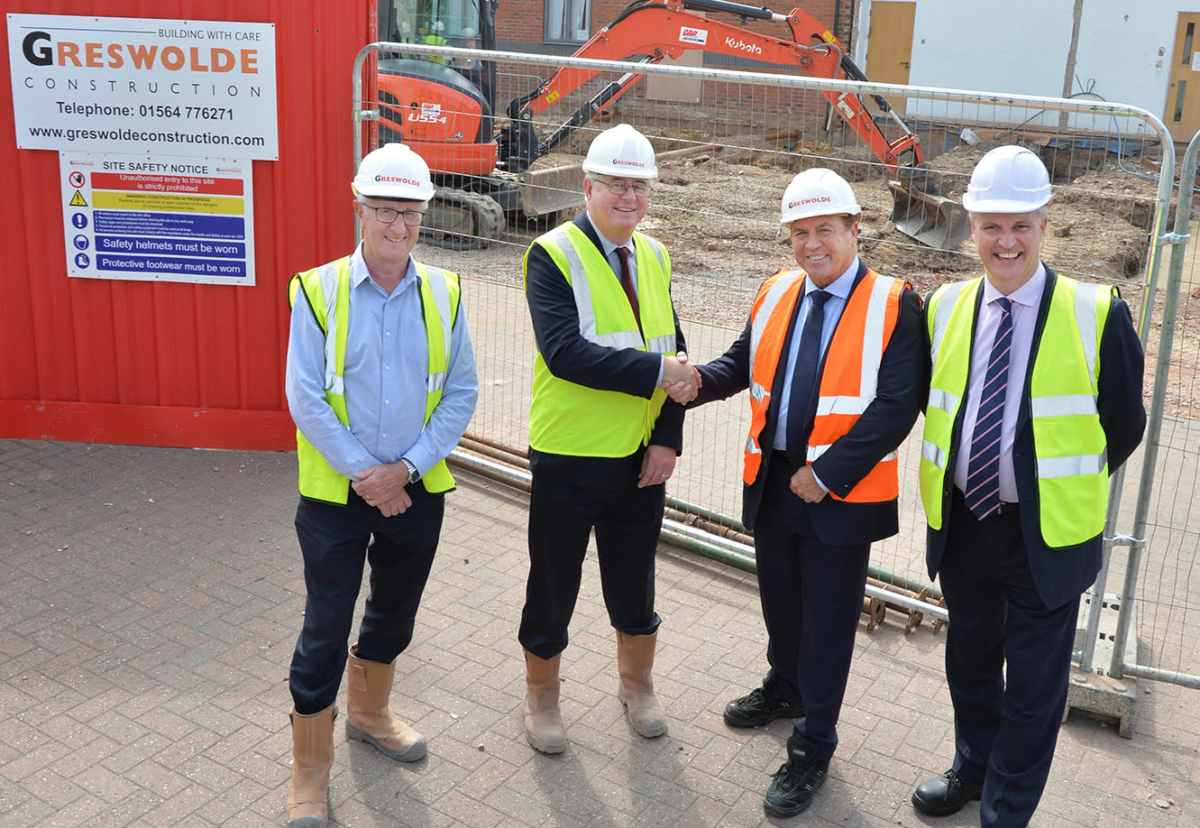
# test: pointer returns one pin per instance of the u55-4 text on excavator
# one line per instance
(445, 108)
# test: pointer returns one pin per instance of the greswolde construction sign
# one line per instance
(127, 85)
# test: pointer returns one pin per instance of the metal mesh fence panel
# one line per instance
(728, 143)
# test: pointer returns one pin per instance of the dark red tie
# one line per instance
(627, 283)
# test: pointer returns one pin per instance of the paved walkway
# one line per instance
(150, 599)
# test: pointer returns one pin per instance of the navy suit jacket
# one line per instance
(1060, 575)
(571, 357)
(882, 427)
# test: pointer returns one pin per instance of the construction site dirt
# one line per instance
(717, 211)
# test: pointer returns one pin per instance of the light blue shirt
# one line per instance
(609, 248)
(839, 292)
(387, 362)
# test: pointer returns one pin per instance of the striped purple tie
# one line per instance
(982, 496)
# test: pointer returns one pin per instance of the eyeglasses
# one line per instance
(387, 215)
(641, 189)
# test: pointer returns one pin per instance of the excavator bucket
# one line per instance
(933, 220)
(551, 190)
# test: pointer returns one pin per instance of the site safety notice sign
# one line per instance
(128, 85)
(163, 218)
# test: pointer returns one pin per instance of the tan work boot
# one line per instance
(635, 661)
(312, 757)
(369, 716)
(543, 721)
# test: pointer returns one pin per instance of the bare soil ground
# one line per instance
(717, 212)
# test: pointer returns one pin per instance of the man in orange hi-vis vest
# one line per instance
(833, 357)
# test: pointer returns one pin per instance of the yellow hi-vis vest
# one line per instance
(571, 419)
(1069, 445)
(328, 290)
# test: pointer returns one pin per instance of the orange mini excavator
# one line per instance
(445, 108)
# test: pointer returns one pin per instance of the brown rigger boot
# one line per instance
(543, 721)
(312, 757)
(635, 661)
(369, 716)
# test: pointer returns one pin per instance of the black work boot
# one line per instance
(793, 785)
(946, 794)
(763, 704)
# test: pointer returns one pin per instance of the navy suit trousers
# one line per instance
(1005, 731)
(627, 521)
(335, 542)
(812, 596)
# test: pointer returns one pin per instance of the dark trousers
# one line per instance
(627, 521)
(1005, 730)
(811, 600)
(335, 542)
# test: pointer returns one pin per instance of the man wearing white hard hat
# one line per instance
(381, 384)
(603, 434)
(832, 355)
(1035, 398)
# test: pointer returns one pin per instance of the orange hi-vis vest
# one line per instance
(848, 379)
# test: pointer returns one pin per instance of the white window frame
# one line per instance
(567, 21)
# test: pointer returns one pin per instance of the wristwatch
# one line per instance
(413, 474)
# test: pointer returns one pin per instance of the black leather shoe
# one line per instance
(944, 795)
(793, 785)
(760, 706)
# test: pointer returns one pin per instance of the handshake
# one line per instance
(680, 379)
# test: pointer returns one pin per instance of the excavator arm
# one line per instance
(650, 30)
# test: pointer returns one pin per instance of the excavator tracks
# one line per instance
(459, 220)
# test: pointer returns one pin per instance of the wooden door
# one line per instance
(889, 45)
(1182, 115)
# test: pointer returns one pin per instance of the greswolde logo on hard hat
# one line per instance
(623, 163)
(814, 200)
(395, 179)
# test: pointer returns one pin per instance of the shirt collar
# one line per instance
(841, 286)
(1028, 294)
(360, 274)
(607, 244)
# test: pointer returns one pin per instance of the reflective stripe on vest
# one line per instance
(327, 289)
(1069, 443)
(769, 319)
(572, 419)
(849, 376)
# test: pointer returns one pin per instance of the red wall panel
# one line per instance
(179, 364)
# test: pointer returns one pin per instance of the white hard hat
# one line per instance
(621, 151)
(393, 171)
(1008, 179)
(817, 192)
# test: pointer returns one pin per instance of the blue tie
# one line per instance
(982, 496)
(804, 376)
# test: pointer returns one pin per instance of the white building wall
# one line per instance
(1021, 47)
(1126, 48)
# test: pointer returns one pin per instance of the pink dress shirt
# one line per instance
(1025, 302)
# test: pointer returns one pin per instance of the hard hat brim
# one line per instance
(843, 210)
(1002, 205)
(404, 193)
(603, 169)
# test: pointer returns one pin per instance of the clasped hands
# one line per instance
(680, 379)
(383, 487)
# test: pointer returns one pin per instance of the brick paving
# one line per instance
(150, 599)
